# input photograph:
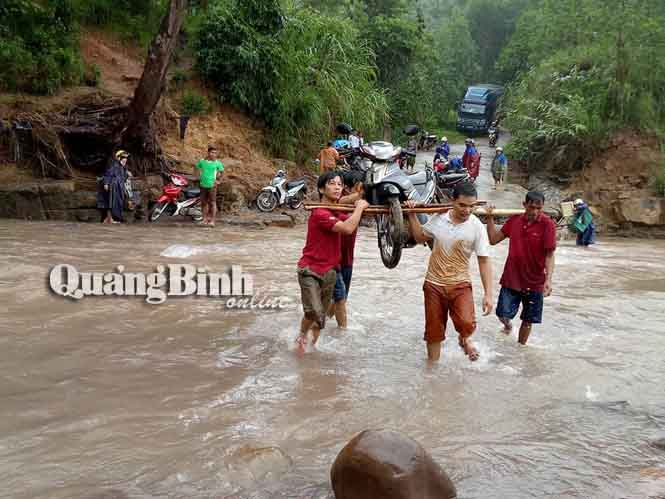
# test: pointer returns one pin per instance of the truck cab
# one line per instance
(477, 110)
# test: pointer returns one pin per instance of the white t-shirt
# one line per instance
(453, 246)
(355, 141)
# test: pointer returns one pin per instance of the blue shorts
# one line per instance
(532, 305)
(342, 284)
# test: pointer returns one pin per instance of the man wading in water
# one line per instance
(456, 235)
(321, 255)
(353, 190)
(527, 276)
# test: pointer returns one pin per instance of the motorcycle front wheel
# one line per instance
(157, 211)
(266, 201)
(390, 231)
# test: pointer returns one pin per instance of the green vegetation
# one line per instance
(193, 104)
(575, 70)
(134, 20)
(300, 71)
(580, 70)
(38, 46)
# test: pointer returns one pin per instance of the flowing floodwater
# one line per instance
(190, 399)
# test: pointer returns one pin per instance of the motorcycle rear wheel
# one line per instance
(196, 213)
(266, 201)
(296, 201)
(390, 234)
(157, 211)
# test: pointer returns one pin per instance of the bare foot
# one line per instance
(301, 344)
(507, 326)
(469, 350)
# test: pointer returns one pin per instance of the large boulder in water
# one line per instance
(383, 464)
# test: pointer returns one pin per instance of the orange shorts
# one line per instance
(443, 300)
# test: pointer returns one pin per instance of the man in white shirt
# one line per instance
(457, 234)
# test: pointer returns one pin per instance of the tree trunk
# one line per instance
(138, 136)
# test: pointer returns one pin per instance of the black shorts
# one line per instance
(509, 304)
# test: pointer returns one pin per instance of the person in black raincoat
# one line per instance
(111, 195)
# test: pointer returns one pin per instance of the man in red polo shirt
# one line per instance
(527, 275)
(353, 190)
(322, 254)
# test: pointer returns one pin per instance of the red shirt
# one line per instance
(529, 245)
(348, 245)
(322, 250)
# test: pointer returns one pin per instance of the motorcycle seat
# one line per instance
(451, 177)
(295, 183)
(192, 193)
(418, 178)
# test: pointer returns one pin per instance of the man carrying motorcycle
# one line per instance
(353, 190)
(322, 255)
(456, 235)
(210, 168)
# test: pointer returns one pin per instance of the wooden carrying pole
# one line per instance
(431, 209)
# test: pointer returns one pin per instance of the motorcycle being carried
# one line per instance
(280, 192)
(177, 199)
(387, 184)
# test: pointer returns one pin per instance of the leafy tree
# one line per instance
(582, 68)
(302, 74)
(39, 50)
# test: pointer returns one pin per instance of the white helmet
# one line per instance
(578, 202)
(444, 139)
(499, 149)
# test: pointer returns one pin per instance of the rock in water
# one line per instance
(383, 464)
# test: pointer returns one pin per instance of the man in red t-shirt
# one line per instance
(353, 190)
(527, 275)
(322, 254)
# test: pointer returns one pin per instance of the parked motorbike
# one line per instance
(352, 160)
(427, 141)
(177, 199)
(280, 192)
(387, 184)
(446, 181)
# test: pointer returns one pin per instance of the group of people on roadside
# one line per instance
(326, 263)
(115, 193)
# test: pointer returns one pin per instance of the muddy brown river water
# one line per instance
(189, 399)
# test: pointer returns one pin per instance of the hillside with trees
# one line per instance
(576, 71)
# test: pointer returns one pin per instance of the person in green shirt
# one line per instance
(211, 169)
